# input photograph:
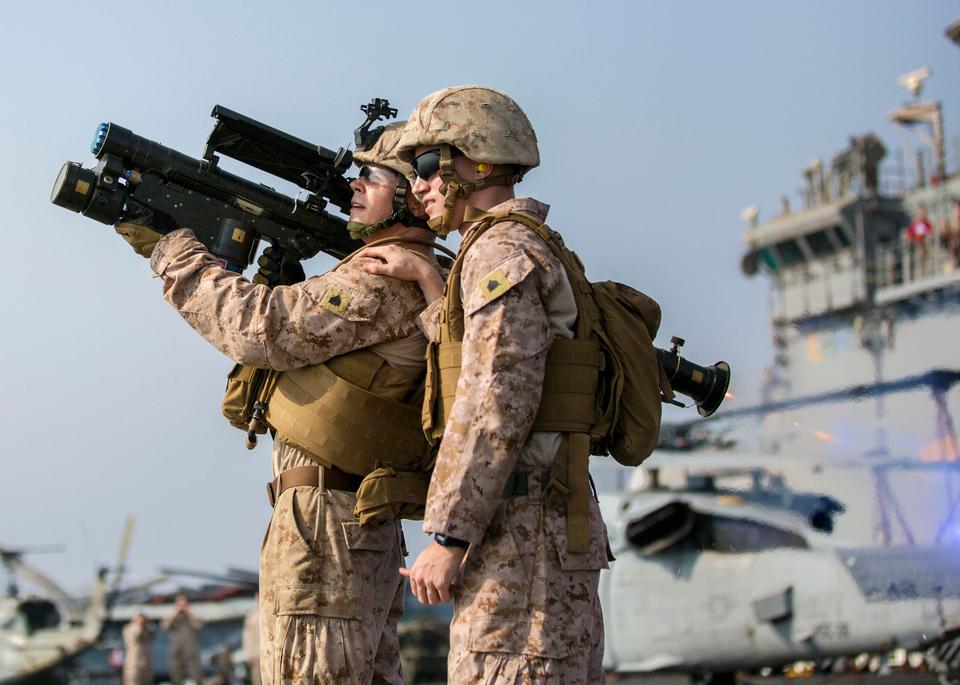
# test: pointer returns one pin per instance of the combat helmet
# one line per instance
(485, 125)
(381, 150)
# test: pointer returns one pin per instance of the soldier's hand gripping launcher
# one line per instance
(705, 385)
(228, 214)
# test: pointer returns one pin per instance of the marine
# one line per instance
(500, 504)
(349, 454)
(138, 639)
(183, 627)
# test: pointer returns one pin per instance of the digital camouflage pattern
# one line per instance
(184, 655)
(526, 610)
(137, 657)
(331, 595)
(285, 327)
(484, 124)
(384, 151)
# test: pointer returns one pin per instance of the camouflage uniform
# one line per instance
(137, 657)
(526, 610)
(184, 658)
(330, 594)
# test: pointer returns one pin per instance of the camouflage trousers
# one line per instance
(526, 610)
(184, 663)
(137, 675)
(330, 593)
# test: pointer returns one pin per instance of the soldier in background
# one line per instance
(138, 637)
(251, 641)
(183, 627)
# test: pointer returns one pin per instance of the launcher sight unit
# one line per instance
(228, 214)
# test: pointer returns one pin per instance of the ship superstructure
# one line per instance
(865, 310)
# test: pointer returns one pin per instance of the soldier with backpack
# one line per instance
(516, 379)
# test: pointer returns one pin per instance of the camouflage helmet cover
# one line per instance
(484, 124)
(384, 151)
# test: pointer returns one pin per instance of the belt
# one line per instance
(312, 476)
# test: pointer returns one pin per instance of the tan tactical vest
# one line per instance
(573, 389)
(355, 413)
(358, 414)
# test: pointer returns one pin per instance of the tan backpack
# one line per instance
(625, 418)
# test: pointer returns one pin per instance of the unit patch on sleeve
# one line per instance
(494, 284)
(336, 301)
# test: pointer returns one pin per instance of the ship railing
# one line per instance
(902, 261)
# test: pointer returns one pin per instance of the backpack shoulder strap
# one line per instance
(588, 313)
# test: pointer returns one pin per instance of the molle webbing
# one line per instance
(573, 378)
(570, 387)
(354, 413)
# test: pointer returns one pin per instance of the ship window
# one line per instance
(768, 259)
(819, 243)
(841, 236)
(789, 252)
(730, 535)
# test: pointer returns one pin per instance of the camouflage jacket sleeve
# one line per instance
(287, 326)
(507, 275)
(429, 319)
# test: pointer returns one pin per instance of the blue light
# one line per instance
(98, 138)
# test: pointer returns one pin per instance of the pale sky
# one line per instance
(658, 123)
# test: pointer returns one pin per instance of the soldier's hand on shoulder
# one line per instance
(393, 260)
(276, 268)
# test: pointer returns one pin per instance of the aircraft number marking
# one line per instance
(832, 631)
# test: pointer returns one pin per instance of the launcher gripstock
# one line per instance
(228, 214)
(705, 385)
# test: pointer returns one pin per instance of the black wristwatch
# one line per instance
(448, 541)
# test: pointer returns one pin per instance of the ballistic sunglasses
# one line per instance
(426, 164)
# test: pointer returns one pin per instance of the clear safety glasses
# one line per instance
(377, 175)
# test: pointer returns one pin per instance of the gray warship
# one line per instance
(864, 302)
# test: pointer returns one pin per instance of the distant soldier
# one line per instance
(251, 641)
(183, 627)
(138, 639)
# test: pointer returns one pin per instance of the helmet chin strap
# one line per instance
(454, 186)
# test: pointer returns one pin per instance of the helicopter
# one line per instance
(731, 570)
(41, 637)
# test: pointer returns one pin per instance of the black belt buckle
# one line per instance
(271, 497)
(516, 485)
